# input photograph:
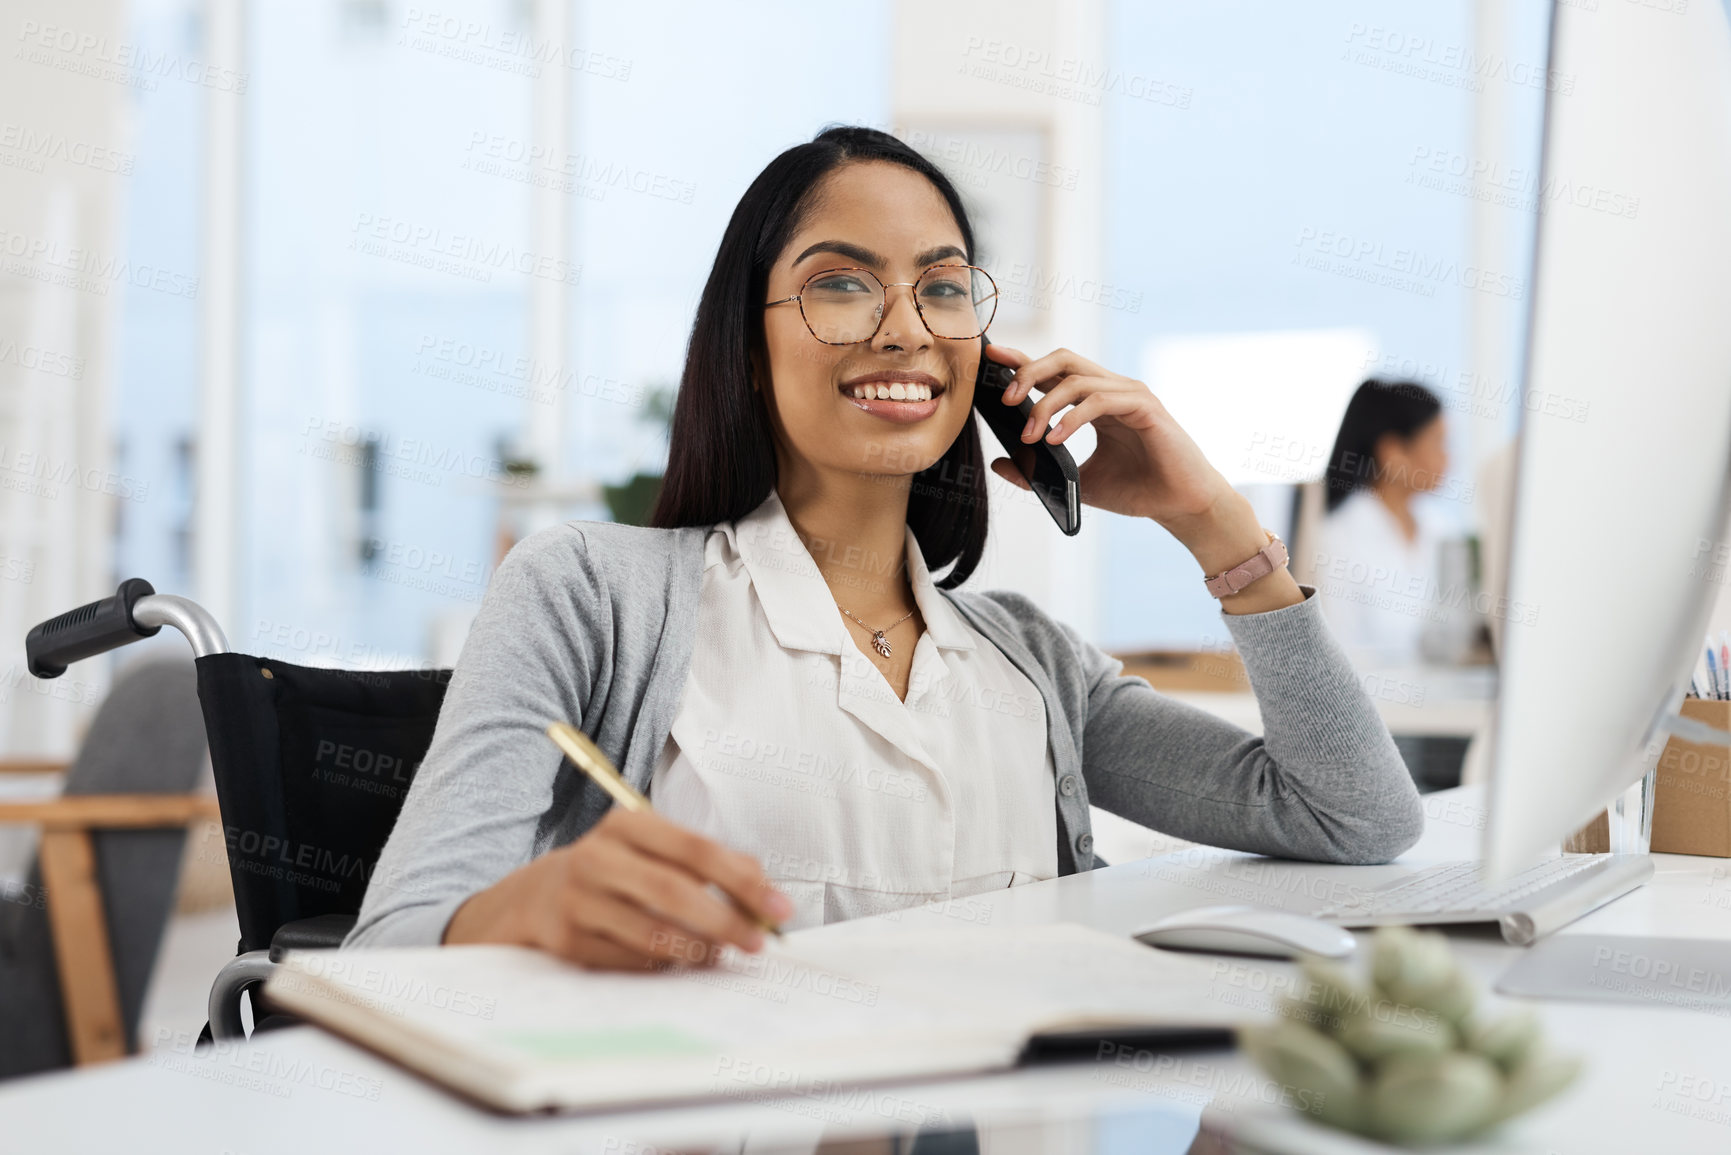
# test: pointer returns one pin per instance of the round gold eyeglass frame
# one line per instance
(884, 308)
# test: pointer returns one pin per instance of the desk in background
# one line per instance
(1417, 701)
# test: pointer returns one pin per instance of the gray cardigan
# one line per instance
(594, 623)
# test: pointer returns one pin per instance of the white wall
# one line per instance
(63, 277)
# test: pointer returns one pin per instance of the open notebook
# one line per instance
(521, 1031)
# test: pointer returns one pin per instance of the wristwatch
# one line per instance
(1259, 565)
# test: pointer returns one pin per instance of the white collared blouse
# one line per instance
(790, 745)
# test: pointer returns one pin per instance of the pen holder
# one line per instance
(1691, 794)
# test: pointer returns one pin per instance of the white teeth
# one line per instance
(894, 391)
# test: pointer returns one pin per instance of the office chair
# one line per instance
(311, 769)
(80, 936)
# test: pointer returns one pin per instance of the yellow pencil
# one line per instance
(587, 757)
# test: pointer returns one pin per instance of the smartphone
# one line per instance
(1048, 468)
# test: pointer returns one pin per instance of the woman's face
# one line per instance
(888, 219)
(1418, 462)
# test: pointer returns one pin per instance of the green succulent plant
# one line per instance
(1405, 1055)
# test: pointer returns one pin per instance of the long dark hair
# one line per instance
(721, 454)
(1377, 409)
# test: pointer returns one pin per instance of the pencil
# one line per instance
(587, 757)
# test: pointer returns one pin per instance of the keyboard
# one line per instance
(1457, 892)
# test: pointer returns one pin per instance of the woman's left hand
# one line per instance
(1144, 464)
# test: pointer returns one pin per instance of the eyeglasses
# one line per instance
(846, 306)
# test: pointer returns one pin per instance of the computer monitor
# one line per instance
(1616, 514)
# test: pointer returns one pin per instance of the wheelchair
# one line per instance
(311, 768)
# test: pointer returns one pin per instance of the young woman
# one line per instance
(1379, 585)
(825, 729)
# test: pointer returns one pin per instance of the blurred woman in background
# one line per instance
(1377, 551)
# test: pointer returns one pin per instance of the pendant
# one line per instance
(881, 643)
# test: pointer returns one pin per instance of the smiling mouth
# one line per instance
(892, 391)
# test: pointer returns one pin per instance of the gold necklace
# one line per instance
(879, 642)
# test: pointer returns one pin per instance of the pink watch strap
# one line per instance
(1259, 565)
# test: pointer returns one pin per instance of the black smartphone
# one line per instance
(1048, 468)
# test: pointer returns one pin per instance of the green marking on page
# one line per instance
(648, 1042)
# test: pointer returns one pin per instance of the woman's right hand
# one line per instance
(631, 893)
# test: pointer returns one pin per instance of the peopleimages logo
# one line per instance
(42, 475)
(493, 154)
(1658, 972)
(1426, 58)
(1473, 392)
(361, 976)
(1032, 285)
(295, 862)
(42, 145)
(503, 49)
(1064, 77)
(47, 260)
(476, 257)
(412, 458)
(734, 753)
(39, 360)
(234, 1063)
(973, 162)
(1511, 186)
(1408, 269)
(104, 58)
(497, 370)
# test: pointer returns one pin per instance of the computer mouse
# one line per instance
(1253, 930)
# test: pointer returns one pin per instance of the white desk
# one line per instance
(302, 1091)
(1421, 701)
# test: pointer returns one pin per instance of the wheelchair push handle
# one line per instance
(89, 630)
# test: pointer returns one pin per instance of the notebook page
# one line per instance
(1047, 977)
(522, 1030)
